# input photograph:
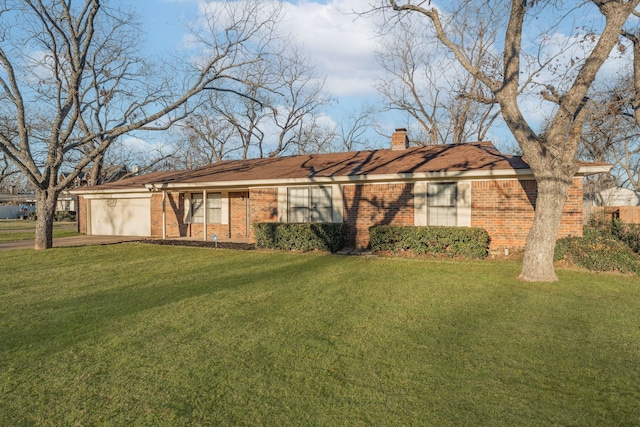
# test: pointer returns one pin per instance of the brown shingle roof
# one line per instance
(440, 158)
(481, 156)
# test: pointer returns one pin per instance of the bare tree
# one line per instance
(352, 133)
(315, 137)
(298, 96)
(551, 154)
(71, 80)
(6, 169)
(612, 135)
(427, 84)
(281, 96)
(204, 140)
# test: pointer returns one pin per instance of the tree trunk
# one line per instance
(45, 211)
(537, 265)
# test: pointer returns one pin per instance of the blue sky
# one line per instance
(341, 47)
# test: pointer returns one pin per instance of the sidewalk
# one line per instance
(71, 241)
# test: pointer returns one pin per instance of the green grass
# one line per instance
(137, 334)
(12, 230)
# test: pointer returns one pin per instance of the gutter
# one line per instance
(344, 179)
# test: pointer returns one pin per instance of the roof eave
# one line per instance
(346, 179)
(139, 189)
(593, 169)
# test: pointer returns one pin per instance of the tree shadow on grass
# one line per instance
(61, 324)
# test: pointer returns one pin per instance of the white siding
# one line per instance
(337, 203)
(464, 204)
(224, 207)
(282, 204)
(420, 203)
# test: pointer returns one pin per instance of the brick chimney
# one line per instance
(399, 140)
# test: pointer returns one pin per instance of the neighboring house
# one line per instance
(110, 173)
(452, 185)
(620, 202)
(616, 196)
(66, 202)
(14, 206)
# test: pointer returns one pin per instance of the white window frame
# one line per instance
(214, 208)
(312, 204)
(462, 202)
(442, 204)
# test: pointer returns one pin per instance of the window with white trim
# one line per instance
(214, 208)
(309, 204)
(441, 204)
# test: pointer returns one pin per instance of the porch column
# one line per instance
(204, 214)
(164, 215)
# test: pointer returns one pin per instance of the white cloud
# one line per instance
(139, 146)
(341, 44)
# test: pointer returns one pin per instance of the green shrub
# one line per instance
(322, 236)
(598, 251)
(601, 222)
(465, 242)
(629, 234)
(65, 216)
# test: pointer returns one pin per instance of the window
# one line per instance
(309, 204)
(441, 204)
(214, 208)
(321, 206)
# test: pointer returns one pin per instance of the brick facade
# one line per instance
(505, 208)
(263, 206)
(238, 209)
(375, 204)
(81, 215)
(175, 224)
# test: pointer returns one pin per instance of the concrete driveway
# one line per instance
(71, 241)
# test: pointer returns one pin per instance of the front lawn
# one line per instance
(136, 334)
(12, 230)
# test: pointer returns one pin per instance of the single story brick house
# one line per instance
(452, 185)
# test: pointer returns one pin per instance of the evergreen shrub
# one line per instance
(467, 242)
(323, 236)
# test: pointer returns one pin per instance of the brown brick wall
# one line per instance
(175, 219)
(175, 224)
(263, 204)
(81, 215)
(572, 220)
(505, 208)
(375, 204)
(238, 203)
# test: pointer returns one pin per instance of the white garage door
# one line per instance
(121, 217)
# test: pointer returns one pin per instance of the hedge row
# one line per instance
(468, 242)
(629, 234)
(598, 251)
(322, 236)
(69, 216)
